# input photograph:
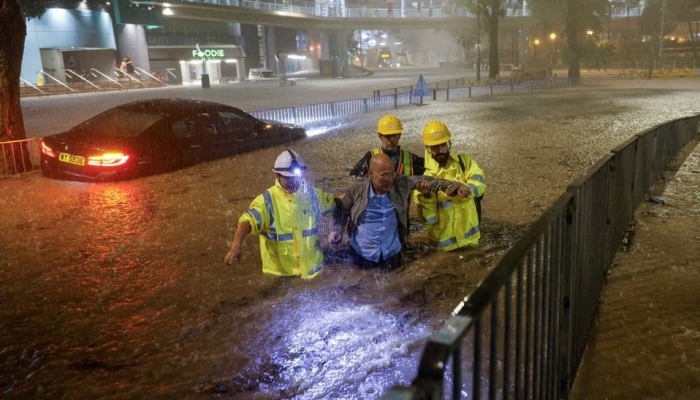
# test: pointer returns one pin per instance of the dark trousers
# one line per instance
(392, 262)
(477, 202)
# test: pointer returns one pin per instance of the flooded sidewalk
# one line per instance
(646, 340)
(119, 290)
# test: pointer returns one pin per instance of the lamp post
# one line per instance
(552, 38)
(478, 44)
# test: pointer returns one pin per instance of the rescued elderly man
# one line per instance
(286, 217)
(375, 212)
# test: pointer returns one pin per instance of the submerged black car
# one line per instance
(153, 136)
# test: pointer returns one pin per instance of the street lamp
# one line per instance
(534, 50)
(552, 38)
(478, 44)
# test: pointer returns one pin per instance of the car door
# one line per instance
(193, 133)
(237, 132)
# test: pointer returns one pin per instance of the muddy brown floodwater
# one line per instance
(119, 291)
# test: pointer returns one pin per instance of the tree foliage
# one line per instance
(571, 19)
(489, 14)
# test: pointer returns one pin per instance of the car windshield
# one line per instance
(266, 74)
(122, 122)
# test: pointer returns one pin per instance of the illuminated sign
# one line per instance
(208, 54)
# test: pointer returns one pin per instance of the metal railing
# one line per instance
(19, 156)
(397, 97)
(400, 97)
(522, 332)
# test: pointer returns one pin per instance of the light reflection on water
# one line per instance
(118, 291)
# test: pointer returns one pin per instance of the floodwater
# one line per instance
(119, 290)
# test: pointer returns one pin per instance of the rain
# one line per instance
(119, 290)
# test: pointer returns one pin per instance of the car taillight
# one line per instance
(108, 160)
(47, 150)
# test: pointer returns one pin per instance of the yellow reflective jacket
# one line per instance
(452, 220)
(288, 227)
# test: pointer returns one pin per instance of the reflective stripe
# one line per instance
(315, 269)
(309, 232)
(472, 232)
(444, 243)
(270, 210)
(280, 238)
(445, 204)
(431, 220)
(407, 164)
(256, 215)
(474, 189)
(478, 178)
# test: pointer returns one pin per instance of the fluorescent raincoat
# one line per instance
(288, 228)
(452, 220)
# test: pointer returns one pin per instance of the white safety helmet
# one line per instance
(289, 164)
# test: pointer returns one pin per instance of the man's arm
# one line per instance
(362, 167)
(426, 185)
(234, 252)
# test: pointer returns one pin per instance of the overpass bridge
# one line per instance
(311, 15)
(337, 24)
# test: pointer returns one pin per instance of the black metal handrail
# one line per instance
(527, 323)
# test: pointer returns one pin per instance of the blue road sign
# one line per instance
(421, 88)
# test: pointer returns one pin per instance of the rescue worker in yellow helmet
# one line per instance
(453, 221)
(286, 217)
(389, 130)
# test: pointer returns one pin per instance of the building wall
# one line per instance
(67, 30)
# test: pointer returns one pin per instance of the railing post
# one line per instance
(470, 92)
(365, 106)
(566, 317)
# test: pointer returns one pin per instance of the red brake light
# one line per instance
(108, 160)
(47, 150)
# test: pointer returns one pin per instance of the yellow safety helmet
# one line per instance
(389, 125)
(435, 132)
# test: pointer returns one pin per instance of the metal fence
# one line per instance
(19, 156)
(522, 332)
(381, 100)
(401, 96)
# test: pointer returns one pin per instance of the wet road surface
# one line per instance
(119, 291)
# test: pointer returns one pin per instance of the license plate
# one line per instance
(71, 159)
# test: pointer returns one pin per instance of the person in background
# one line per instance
(389, 130)
(375, 212)
(453, 220)
(286, 218)
(129, 65)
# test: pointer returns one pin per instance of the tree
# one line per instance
(577, 16)
(13, 30)
(490, 12)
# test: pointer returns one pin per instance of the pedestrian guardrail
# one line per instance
(19, 156)
(523, 331)
(396, 97)
(381, 100)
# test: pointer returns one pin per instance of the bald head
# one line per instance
(380, 162)
(381, 173)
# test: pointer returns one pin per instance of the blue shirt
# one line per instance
(377, 233)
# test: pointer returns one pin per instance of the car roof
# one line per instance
(168, 105)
